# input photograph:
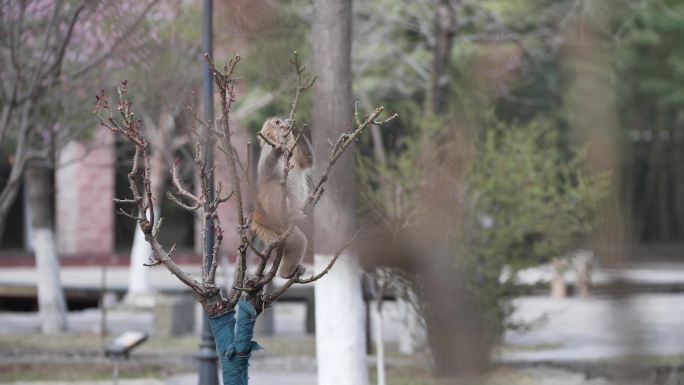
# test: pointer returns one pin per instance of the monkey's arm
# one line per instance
(304, 153)
(268, 162)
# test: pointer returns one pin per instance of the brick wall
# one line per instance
(84, 192)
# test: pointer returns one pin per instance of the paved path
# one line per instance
(289, 320)
(255, 378)
(593, 328)
(572, 329)
(187, 379)
(537, 375)
(90, 277)
(562, 329)
(644, 274)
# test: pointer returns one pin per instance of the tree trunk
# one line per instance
(412, 334)
(140, 291)
(233, 335)
(460, 340)
(51, 302)
(559, 289)
(380, 334)
(8, 194)
(340, 331)
(445, 19)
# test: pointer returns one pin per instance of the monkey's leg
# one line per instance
(295, 247)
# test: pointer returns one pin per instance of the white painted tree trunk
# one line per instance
(340, 326)
(406, 342)
(340, 311)
(559, 288)
(379, 344)
(412, 335)
(140, 292)
(51, 302)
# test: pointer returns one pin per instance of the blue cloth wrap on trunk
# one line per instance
(234, 343)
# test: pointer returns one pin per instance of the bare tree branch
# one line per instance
(325, 271)
(182, 191)
(130, 129)
(112, 48)
(139, 184)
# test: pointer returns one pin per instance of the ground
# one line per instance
(576, 341)
(76, 357)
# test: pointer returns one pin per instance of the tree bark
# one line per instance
(340, 331)
(51, 302)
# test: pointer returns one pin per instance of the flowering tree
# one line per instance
(37, 40)
(46, 48)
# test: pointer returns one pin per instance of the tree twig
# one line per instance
(325, 271)
(139, 184)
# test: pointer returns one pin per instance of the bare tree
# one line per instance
(31, 73)
(35, 38)
(165, 140)
(445, 23)
(233, 332)
(168, 133)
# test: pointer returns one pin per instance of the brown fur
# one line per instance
(268, 221)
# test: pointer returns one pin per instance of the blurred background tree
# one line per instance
(486, 178)
(487, 79)
(51, 50)
(483, 172)
(649, 66)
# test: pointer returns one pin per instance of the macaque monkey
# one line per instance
(268, 221)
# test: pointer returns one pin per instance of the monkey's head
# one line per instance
(272, 129)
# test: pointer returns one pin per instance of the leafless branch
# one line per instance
(217, 248)
(269, 298)
(325, 271)
(182, 191)
(265, 139)
(344, 141)
(115, 44)
(224, 82)
(121, 122)
(301, 87)
(274, 268)
(140, 171)
(181, 204)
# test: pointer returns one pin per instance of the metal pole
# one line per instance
(115, 371)
(208, 374)
(103, 302)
